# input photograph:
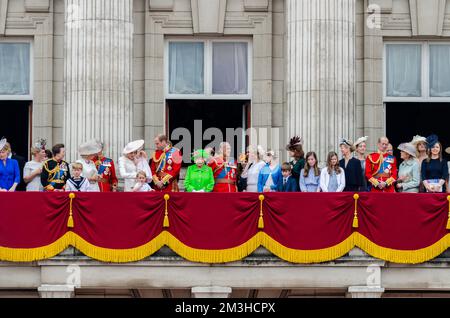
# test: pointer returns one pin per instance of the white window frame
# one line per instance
(207, 69)
(425, 49)
(30, 95)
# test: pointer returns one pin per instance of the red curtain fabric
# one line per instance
(308, 221)
(403, 221)
(405, 227)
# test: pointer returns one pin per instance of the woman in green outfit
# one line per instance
(199, 177)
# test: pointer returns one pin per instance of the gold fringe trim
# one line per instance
(307, 256)
(448, 221)
(35, 254)
(214, 256)
(225, 255)
(402, 256)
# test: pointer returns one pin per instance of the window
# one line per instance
(15, 70)
(440, 70)
(208, 69)
(404, 70)
(186, 74)
(230, 68)
(417, 71)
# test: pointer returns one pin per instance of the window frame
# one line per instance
(31, 93)
(425, 72)
(208, 68)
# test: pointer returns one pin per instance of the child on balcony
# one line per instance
(141, 183)
(76, 182)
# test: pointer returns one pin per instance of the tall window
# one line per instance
(417, 71)
(15, 70)
(208, 69)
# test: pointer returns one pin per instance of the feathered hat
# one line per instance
(3, 142)
(361, 140)
(41, 143)
(295, 144)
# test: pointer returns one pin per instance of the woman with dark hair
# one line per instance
(352, 167)
(310, 175)
(332, 178)
(297, 154)
(434, 169)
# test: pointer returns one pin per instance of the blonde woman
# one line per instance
(33, 169)
(9, 169)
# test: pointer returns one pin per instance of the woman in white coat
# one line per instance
(88, 151)
(332, 177)
(127, 165)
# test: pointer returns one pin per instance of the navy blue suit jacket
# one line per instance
(291, 185)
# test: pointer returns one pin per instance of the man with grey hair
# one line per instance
(381, 168)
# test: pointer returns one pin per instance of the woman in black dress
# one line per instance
(434, 169)
(353, 172)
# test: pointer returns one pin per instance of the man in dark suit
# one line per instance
(288, 183)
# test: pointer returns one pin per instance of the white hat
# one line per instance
(360, 140)
(90, 147)
(447, 150)
(418, 139)
(3, 142)
(408, 148)
(133, 146)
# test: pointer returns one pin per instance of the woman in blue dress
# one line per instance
(270, 175)
(9, 169)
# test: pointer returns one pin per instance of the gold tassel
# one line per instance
(448, 221)
(70, 220)
(355, 219)
(261, 219)
(166, 213)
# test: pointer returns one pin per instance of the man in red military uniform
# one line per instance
(225, 169)
(107, 181)
(165, 165)
(381, 168)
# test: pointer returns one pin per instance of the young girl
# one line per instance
(332, 178)
(77, 183)
(141, 183)
(310, 175)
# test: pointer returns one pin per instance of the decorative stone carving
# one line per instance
(256, 5)
(3, 14)
(161, 5)
(37, 5)
(208, 16)
(427, 17)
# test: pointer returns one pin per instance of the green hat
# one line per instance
(199, 154)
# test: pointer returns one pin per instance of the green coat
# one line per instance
(199, 179)
(297, 168)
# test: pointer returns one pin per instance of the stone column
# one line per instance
(211, 292)
(56, 291)
(321, 72)
(98, 74)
